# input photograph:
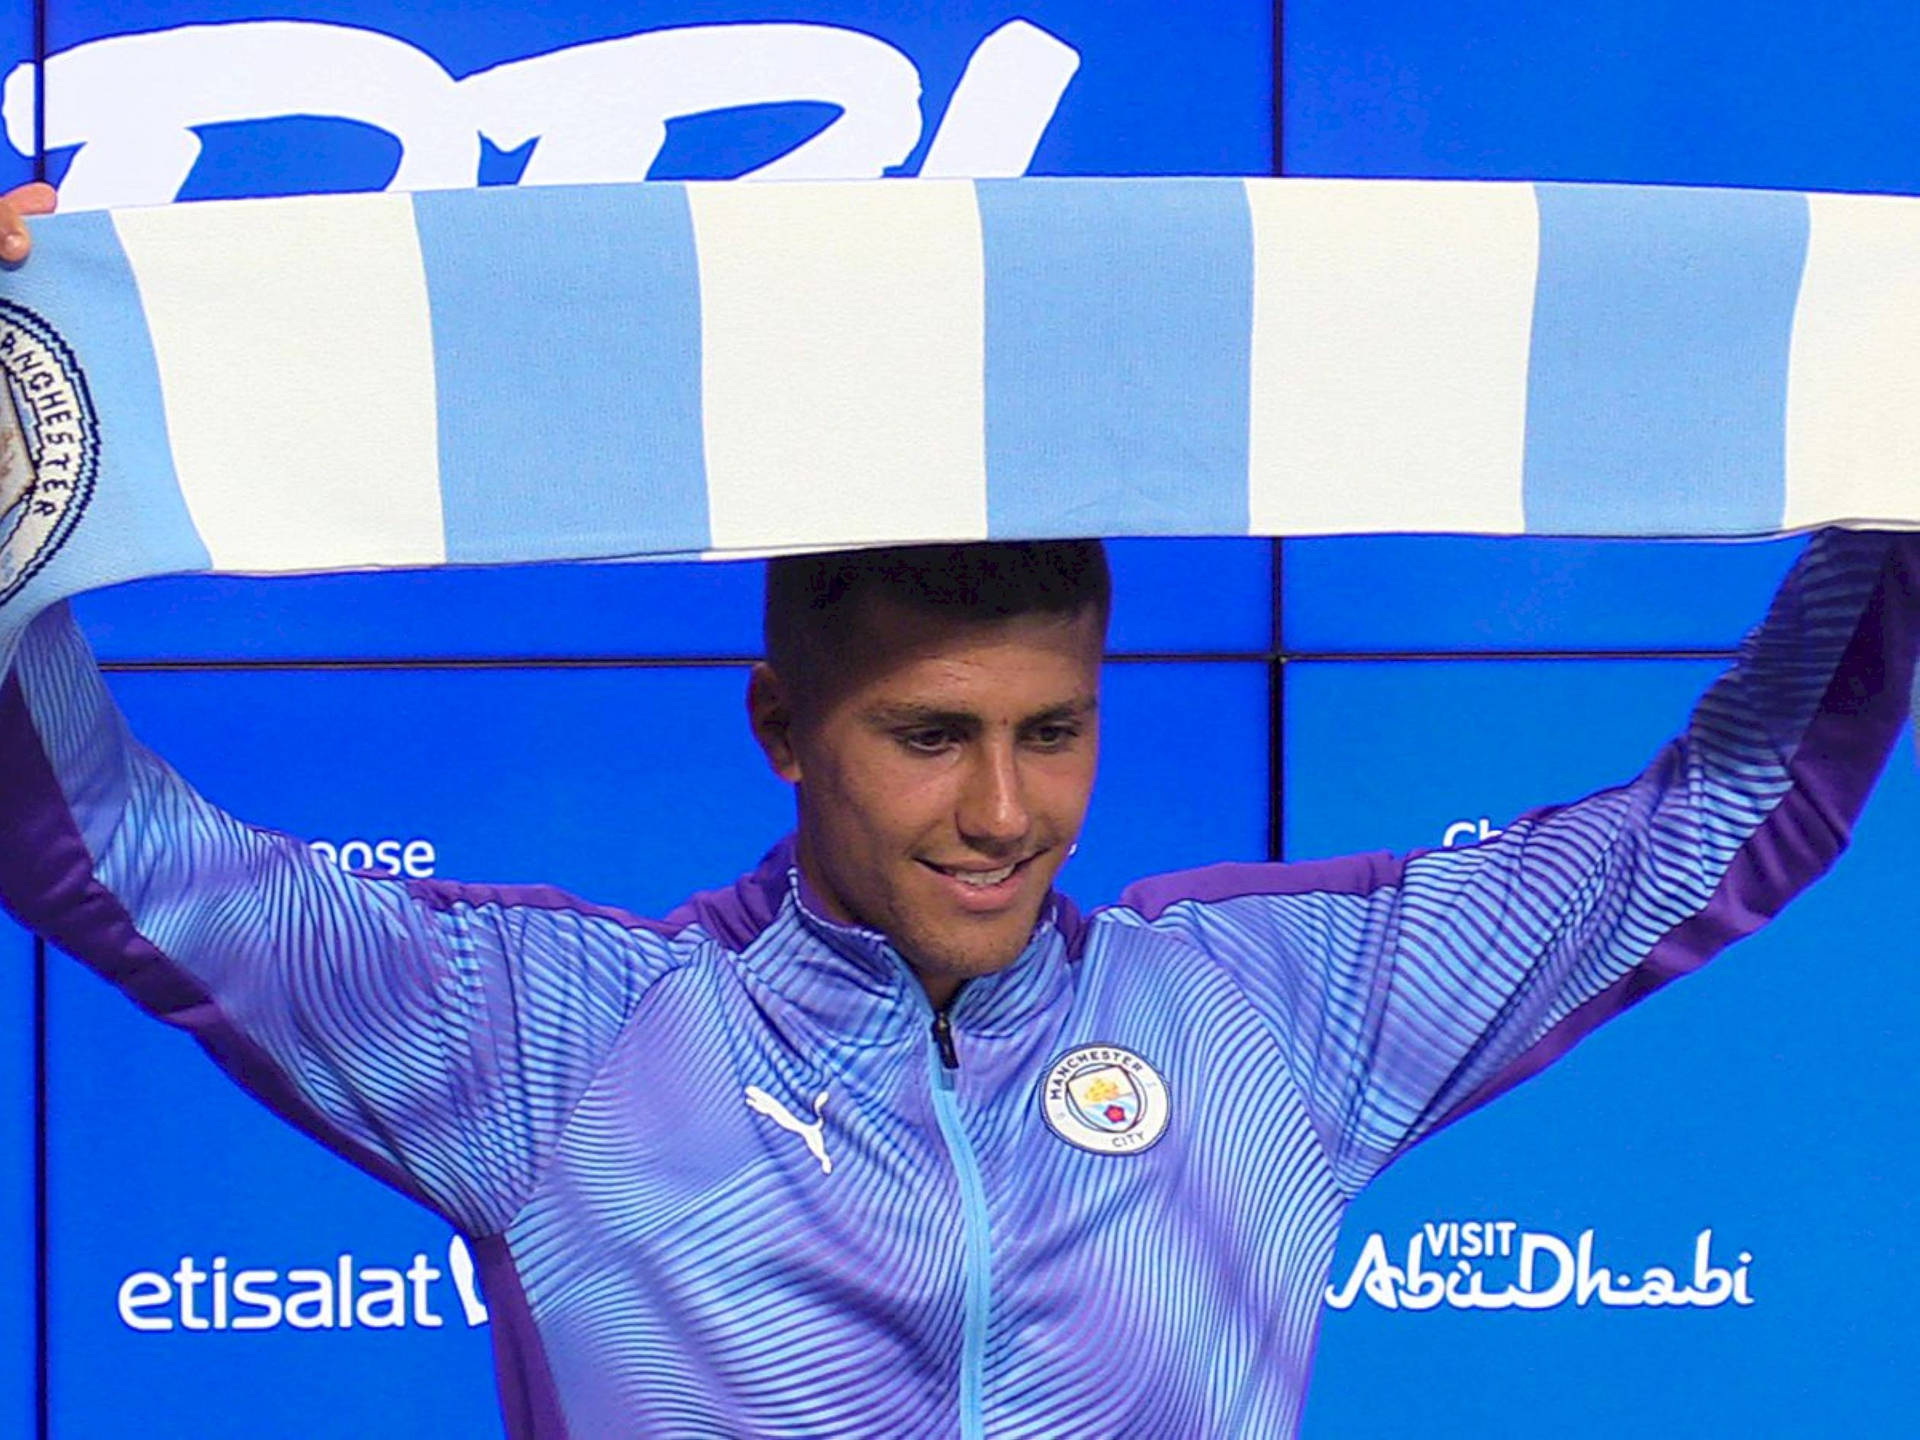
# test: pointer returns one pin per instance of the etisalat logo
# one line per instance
(1447, 1263)
(341, 1296)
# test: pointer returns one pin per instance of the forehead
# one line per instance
(896, 652)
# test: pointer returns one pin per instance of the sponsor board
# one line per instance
(339, 1295)
(1497, 1265)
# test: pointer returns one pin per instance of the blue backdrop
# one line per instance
(1755, 1101)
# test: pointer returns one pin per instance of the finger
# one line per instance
(37, 198)
(33, 198)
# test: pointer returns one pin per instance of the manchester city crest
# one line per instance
(49, 445)
(1105, 1099)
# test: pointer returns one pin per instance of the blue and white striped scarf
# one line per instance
(647, 370)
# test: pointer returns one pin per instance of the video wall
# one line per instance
(175, 1262)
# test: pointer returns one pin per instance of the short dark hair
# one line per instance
(814, 602)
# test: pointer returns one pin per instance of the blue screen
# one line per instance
(1752, 1099)
(1798, 97)
(1762, 1099)
(1428, 593)
(157, 1163)
(18, 1325)
(1172, 595)
(1183, 767)
(16, 48)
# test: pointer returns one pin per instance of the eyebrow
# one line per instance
(891, 717)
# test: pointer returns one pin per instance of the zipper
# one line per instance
(943, 1064)
(943, 1038)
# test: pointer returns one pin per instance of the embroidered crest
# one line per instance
(49, 445)
(1105, 1099)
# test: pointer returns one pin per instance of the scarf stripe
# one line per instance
(1656, 395)
(542, 388)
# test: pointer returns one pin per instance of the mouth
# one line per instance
(980, 889)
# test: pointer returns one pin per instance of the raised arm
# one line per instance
(437, 1036)
(1408, 990)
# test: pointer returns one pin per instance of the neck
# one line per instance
(941, 990)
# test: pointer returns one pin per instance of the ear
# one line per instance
(770, 713)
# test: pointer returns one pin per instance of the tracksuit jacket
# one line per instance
(727, 1174)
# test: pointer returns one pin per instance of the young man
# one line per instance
(886, 1138)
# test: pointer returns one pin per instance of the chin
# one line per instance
(982, 957)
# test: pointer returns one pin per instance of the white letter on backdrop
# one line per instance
(1003, 104)
(601, 110)
(131, 102)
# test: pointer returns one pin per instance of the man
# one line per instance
(887, 1138)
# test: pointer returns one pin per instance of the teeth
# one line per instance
(982, 878)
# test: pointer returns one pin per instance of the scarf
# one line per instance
(639, 371)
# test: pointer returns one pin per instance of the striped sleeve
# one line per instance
(1406, 991)
(437, 1036)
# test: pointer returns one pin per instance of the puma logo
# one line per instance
(758, 1100)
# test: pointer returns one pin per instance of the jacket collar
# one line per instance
(859, 987)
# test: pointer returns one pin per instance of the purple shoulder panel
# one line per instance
(48, 880)
(1071, 924)
(1347, 875)
(447, 894)
(529, 1398)
(737, 914)
(733, 914)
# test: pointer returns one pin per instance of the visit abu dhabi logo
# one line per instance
(1497, 1265)
(344, 1293)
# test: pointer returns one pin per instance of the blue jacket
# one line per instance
(726, 1176)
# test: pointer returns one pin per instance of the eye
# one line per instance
(1056, 736)
(928, 741)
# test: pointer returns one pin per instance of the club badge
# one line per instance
(49, 445)
(1104, 1099)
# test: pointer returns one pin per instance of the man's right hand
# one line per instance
(37, 198)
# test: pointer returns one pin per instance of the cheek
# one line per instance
(907, 802)
(882, 795)
(1064, 789)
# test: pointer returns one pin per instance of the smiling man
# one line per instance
(941, 737)
(886, 1138)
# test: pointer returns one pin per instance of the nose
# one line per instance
(992, 813)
